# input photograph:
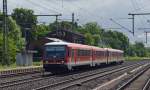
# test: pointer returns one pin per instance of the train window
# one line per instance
(58, 51)
(100, 53)
(84, 52)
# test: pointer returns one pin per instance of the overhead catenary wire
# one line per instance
(136, 9)
(139, 6)
(121, 25)
(136, 4)
(39, 5)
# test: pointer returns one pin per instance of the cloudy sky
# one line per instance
(100, 11)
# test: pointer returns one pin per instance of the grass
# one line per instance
(8, 67)
(5, 67)
(136, 58)
(37, 63)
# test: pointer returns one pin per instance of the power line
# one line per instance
(135, 4)
(121, 25)
(84, 10)
(133, 14)
(37, 4)
(139, 9)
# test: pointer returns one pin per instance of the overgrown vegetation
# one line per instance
(15, 41)
(23, 22)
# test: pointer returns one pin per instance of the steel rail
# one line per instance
(80, 80)
(147, 85)
(18, 72)
(18, 82)
(122, 87)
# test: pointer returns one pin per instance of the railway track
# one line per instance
(131, 80)
(147, 85)
(35, 80)
(22, 81)
(78, 81)
(19, 72)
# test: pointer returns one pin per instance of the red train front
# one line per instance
(55, 56)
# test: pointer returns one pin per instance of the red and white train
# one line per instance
(60, 55)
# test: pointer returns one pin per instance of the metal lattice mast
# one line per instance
(5, 34)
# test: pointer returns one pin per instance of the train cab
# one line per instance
(55, 55)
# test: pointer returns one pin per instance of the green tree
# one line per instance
(89, 40)
(92, 28)
(140, 49)
(15, 41)
(15, 34)
(116, 39)
(41, 30)
(97, 39)
(26, 19)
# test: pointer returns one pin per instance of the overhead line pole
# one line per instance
(72, 21)
(133, 20)
(146, 36)
(5, 34)
(146, 32)
(133, 24)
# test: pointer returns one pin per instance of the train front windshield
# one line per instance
(55, 51)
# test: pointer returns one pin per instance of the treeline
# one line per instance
(23, 22)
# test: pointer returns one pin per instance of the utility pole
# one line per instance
(57, 22)
(133, 24)
(146, 32)
(5, 34)
(146, 36)
(72, 21)
(133, 19)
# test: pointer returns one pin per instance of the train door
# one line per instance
(110, 58)
(93, 55)
(93, 58)
(107, 54)
(73, 56)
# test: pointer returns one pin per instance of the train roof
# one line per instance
(57, 43)
(74, 45)
(114, 50)
(81, 46)
(98, 48)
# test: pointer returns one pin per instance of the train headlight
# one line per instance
(62, 61)
(46, 62)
